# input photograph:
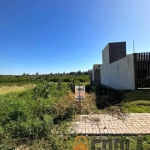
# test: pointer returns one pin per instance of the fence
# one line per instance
(142, 70)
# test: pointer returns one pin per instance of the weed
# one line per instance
(34, 115)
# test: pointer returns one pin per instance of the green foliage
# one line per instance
(139, 106)
(136, 95)
(106, 97)
(24, 79)
(89, 88)
(129, 101)
(43, 91)
(34, 115)
(73, 83)
(39, 118)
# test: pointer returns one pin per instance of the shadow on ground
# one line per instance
(106, 97)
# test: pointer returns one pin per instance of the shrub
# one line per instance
(24, 119)
(73, 83)
(107, 97)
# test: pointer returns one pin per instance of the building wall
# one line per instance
(93, 74)
(105, 55)
(119, 74)
(96, 73)
(117, 51)
(113, 52)
(97, 76)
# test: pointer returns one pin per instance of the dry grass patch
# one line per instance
(88, 105)
(9, 89)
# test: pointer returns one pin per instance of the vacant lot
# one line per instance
(36, 115)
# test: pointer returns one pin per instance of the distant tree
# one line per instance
(72, 73)
(79, 72)
(37, 74)
(89, 70)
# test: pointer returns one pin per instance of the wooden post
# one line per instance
(80, 103)
(79, 96)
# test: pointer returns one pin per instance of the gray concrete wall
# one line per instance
(93, 74)
(96, 73)
(119, 74)
(97, 76)
(117, 51)
(105, 55)
(113, 52)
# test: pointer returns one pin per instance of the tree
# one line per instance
(79, 72)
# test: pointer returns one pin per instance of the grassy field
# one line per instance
(38, 116)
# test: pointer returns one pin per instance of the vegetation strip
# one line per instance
(34, 117)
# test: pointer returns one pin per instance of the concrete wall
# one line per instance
(92, 74)
(97, 76)
(119, 74)
(105, 55)
(117, 51)
(96, 73)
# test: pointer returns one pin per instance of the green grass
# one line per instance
(137, 101)
(136, 95)
(139, 106)
(36, 118)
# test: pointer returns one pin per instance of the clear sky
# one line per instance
(47, 36)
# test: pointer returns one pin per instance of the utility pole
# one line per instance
(133, 47)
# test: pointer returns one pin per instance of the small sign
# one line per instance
(80, 92)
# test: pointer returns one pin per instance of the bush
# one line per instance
(106, 97)
(24, 119)
(89, 88)
(73, 83)
(102, 102)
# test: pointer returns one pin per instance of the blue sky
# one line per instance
(47, 36)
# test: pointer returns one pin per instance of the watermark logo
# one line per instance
(81, 143)
(121, 143)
